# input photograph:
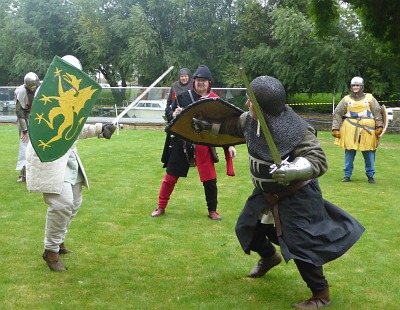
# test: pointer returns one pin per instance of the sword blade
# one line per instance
(267, 134)
(141, 96)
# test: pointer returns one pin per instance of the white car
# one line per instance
(148, 109)
(390, 113)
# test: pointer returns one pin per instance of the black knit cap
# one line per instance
(203, 72)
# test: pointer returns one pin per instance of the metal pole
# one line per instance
(141, 96)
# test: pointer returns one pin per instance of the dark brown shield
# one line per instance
(212, 110)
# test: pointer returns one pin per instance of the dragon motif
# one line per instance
(70, 103)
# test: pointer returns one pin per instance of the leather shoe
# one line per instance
(52, 260)
(318, 300)
(264, 265)
(158, 212)
(63, 249)
(214, 215)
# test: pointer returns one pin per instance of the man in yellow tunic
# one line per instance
(357, 124)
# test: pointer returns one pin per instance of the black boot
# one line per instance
(211, 192)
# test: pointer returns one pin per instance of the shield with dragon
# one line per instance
(59, 111)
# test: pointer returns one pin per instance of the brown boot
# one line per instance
(52, 260)
(63, 249)
(264, 265)
(318, 300)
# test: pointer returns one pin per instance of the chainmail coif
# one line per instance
(287, 130)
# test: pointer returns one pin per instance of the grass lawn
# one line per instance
(124, 259)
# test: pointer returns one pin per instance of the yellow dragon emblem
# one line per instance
(71, 102)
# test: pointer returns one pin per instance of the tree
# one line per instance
(32, 33)
(378, 17)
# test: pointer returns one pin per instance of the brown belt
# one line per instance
(273, 199)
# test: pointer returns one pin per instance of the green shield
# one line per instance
(59, 111)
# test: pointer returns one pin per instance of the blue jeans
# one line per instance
(369, 161)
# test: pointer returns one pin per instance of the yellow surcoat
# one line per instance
(358, 128)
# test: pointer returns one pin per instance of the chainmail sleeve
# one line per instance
(340, 110)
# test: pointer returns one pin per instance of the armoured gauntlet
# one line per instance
(336, 133)
(108, 130)
(299, 169)
(202, 125)
(378, 131)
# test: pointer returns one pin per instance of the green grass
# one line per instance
(124, 259)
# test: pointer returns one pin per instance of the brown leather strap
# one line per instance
(273, 199)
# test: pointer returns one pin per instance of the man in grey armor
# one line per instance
(24, 95)
(286, 207)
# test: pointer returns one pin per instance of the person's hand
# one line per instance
(108, 130)
(25, 137)
(336, 133)
(199, 125)
(232, 151)
(378, 131)
(177, 111)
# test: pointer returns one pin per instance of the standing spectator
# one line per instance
(176, 155)
(24, 95)
(184, 83)
(61, 183)
(308, 229)
(357, 124)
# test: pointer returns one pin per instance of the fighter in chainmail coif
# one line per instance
(286, 206)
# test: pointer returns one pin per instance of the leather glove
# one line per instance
(199, 125)
(299, 169)
(108, 130)
(336, 133)
(378, 131)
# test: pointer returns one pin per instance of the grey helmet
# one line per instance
(357, 81)
(73, 61)
(270, 94)
(184, 71)
(31, 80)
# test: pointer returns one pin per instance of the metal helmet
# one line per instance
(357, 81)
(270, 94)
(73, 61)
(184, 71)
(31, 80)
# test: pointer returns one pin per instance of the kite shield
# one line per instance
(59, 111)
(210, 109)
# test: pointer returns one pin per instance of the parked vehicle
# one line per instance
(390, 113)
(7, 102)
(148, 109)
